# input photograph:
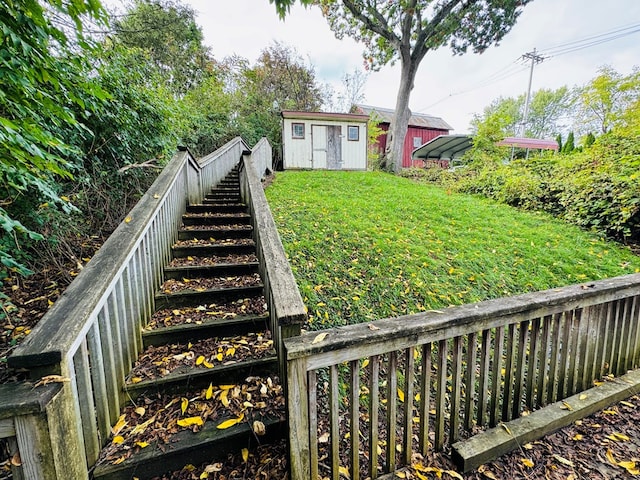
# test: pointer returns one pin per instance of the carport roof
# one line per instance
(443, 146)
(528, 143)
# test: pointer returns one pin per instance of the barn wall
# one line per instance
(425, 135)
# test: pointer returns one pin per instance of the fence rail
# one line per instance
(361, 395)
(92, 335)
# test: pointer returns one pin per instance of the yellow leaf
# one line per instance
(119, 460)
(610, 412)
(245, 455)
(204, 476)
(219, 357)
(231, 422)
(320, 337)
(209, 392)
(142, 444)
(343, 471)
(230, 351)
(454, 474)
(127, 220)
(136, 380)
(207, 364)
(118, 439)
(618, 437)
(140, 411)
(527, 463)
(120, 424)
(583, 396)
(224, 398)
(365, 363)
(577, 437)
(610, 457)
(184, 405)
(187, 422)
(566, 406)
(420, 476)
(628, 404)
(226, 387)
(66, 199)
(401, 395)
(487, 473)
(401, 475)
(199, 360)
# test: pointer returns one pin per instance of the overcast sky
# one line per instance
(452, 87)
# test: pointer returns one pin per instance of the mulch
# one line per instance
(202, 284)
(212, 241)
(213, 260)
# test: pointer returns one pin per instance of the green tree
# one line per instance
(604, 100)
(40, 85)
(569, 145)
(406, 30)
(169, 32)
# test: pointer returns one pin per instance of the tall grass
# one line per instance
(368, 245)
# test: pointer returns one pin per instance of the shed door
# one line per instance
(319, 146)
(334, 147)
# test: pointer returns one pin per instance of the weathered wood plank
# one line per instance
(496, 376)
(470, 380)
(554, 350)
(374, 409)
(483, 388)
(544, 361)
(84, 400)
(99, 379)
(334, 421)
(574, 352)
(484, 447)
(354, 417)
(456, 380)
(392, 411)
(409, 374)
(298, 408)
(535, 368)
(507, 402)
(313, 422)
(425, 399)
(636, 321)
(519, 376)
(441, 392)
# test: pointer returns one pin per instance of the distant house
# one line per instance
(319, 140)
(422, 128)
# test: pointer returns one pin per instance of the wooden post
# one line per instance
(299, 449)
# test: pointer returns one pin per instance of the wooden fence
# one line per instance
(92, 335)
(365, 397)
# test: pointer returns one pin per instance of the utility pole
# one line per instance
(535, 59)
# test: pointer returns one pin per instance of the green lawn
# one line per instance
(368, 245)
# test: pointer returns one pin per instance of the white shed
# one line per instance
(331, 141)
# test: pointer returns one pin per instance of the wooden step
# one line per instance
(211, 219)
(190, 298)
(224, 190)
(185, 378)
(190, 332)
(212, 250)
(208, 445)
(213, 207)
(209, 271)
(221, 233)
(219, 203)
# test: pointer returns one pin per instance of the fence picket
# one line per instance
(354, 417)
(392, 410)
(441, 392)
(374, 408)
(470, 380)
(456, 374)
(425, 398)
(334, 416)
(409, 373)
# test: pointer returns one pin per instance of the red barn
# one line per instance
(422, 128)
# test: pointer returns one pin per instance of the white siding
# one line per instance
(310, 151)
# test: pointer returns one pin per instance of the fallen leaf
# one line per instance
(401, 395)
(566, 406)
(127, 220)
(189, 421)
(365, 363)
(259, 428)
(343, 471)
(184, 405)
(142, 444)
(373, 327)
(527, 463)
(51, 379)
(563, 460)
(245, 455)
(120, 424)
(16, 461)
(209, 393)
(487, 473)
(230, 423)
(320, 337)
(118, 439)
(140, 411)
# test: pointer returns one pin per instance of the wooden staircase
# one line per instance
(205, 384)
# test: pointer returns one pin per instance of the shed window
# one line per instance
(417, 142)
(353, 133)
(297, 130)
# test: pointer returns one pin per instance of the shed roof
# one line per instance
(416, 119)
(443, 146)
(528, 143)
(349, 117)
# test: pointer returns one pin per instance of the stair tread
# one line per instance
(157, 362)
(211, 405)
(247, 307)
(209, 262)
(201, 284)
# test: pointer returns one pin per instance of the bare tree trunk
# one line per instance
(398, 127)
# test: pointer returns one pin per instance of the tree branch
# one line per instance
(384, 30)
(148, 164)
(431, 28)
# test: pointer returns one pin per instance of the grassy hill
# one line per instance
(368, 245)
